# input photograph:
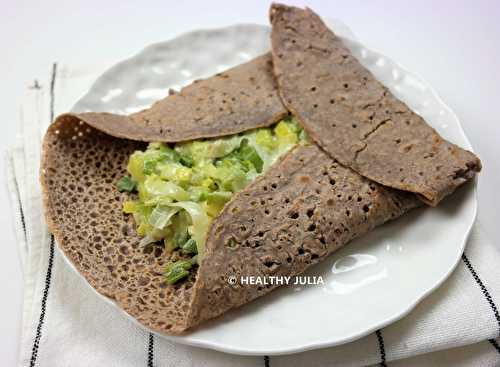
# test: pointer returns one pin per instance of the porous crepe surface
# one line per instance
(83, 209)
(354, 117)
(303, 209)
(239, 99)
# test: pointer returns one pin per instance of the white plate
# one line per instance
(369, 284)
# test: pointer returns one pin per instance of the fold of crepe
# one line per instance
(241, 98)
(355, 118)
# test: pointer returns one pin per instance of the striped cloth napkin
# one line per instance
(66, 324)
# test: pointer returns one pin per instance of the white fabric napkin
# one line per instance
(66, 324)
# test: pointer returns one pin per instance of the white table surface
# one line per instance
(454, 45)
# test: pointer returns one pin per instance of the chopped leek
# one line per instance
(126, 184)
(190, 247)
(199, 222)
(182, 187)
(175, 271)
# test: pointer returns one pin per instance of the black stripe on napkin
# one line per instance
(381, 348)
(151, 349)
(21, 211)
(495, 344)
(267, 361)
(48, 277)
(486, 295)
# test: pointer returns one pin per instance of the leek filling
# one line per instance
(181, 187)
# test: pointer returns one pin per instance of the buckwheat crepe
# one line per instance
(241, 98)
(355, 118)
(302, 209)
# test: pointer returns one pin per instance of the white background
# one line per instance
(454, 45)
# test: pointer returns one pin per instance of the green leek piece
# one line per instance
(175, 271)
(126, 184)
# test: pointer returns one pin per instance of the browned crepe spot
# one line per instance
(239, 99)
(303, 209)
(354, 117)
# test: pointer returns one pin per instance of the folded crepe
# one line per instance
(356, 119)
(298, 211)
(241, 98)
